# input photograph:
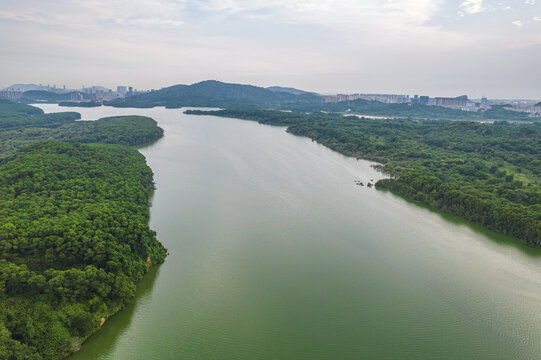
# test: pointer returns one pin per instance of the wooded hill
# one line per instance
(216, 94)
(74, 237)
(21, 125)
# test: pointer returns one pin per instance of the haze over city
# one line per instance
(446, 48)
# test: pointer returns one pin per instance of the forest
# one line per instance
(486, 173)
(213, 93)
(74, 237)
(21, 125)
(413, 110)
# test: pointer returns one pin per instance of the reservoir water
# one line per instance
(276, 253)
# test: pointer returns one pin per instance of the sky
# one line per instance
(426, 47)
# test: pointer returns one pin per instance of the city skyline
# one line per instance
(21, 88)
(441, 48)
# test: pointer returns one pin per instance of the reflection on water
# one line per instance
(105, 340)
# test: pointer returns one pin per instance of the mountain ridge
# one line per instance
(213, 93)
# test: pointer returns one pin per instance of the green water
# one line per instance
(275, 253)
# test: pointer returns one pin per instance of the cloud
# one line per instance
(335, 13)
(472, 6)
(12, 16)
(529, 2)
(359, 22)
(149, 22)
(517, 23)
(327, 44)
(139, 13)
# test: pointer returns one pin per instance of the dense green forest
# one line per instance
(13, 115)
(486, 173)
(21, 125)
(74, 237)
(215, 94)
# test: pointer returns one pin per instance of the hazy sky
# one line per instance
(438, 47)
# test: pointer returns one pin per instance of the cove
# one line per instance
(275, 253)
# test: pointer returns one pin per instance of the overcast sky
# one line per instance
(433, 47)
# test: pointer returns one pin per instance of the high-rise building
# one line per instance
(121, 91)
(11, 94)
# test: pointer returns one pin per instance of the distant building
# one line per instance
(329, 98)
(121, 91)
(11, 94)
(457, 102)
(76, 96)
(423, 100)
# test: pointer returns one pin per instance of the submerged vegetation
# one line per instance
(486, 173)
(74, 237)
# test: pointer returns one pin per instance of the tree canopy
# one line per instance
(21, 125)
(74, 237)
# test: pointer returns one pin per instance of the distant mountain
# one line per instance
(538, 104)
(27, 87)
(213, 93)
(288, 90)
(34, 87)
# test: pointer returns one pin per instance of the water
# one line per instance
(275, 253)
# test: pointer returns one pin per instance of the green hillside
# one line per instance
(215, 94)
(74, 237)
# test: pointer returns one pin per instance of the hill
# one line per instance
(74, 237)
(22, 125)
(288, 90)
(213, 93)
(27, 87)
(8, 108)
(75, 240)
